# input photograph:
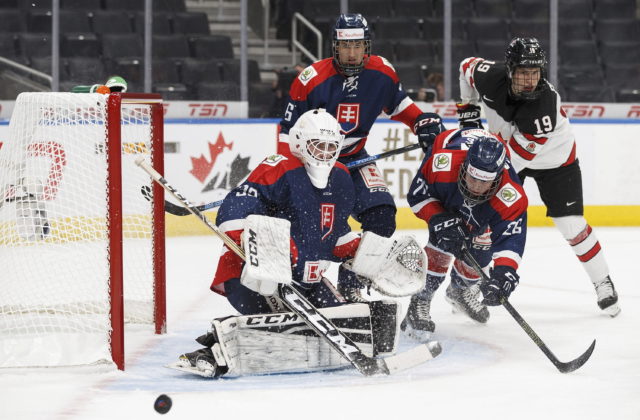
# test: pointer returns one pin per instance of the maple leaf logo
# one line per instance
(201, 165)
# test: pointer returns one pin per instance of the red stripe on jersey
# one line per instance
(324, 69)
(520, 150)
(428, 211)
(343, 167)
(572, 156)
(539, 140)
(347, 250)
(580, 237)
(590, 254)
(505, 261)
(358, 146)
(408, 115)
(268, 174)
(376, 63)
(229, 265)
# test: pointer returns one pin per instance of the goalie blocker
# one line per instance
(282, 342)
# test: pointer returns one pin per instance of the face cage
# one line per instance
(527, 96)
(320, 147)
(352, 70)
(472, 198)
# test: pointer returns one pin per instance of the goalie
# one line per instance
(290, 216)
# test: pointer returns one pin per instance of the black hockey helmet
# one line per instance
(526, 52)
(351, 27)
(485, 161)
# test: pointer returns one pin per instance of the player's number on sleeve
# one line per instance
(514, 228)
(543, 125)
(247, 191)
(288, 113)
(485, 66)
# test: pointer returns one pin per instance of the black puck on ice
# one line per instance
(162, 404)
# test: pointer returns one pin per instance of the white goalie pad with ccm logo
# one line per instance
(395, 267)
(266, 245)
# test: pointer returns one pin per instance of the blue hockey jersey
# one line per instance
(355, 101)
(500, 222)
(280, 187)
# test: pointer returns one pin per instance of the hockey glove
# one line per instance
(469, 116)
(447, 233)
(427, 126)
(503, 281)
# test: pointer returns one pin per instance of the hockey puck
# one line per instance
(162, 404)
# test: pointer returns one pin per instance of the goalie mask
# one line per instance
(351, 44)
(526, 62)
(481, 173)
(315, 139)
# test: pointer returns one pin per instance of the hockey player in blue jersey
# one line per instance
(313, 195)
(356, 87)
(469, 194)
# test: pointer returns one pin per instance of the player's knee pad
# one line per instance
(438, 262)
(571, 227)
(380, 220)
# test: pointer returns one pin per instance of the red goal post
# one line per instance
(81, 249)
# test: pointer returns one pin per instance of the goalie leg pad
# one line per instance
(282, 342)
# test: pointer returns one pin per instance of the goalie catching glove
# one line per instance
(393, 267)
(266, 242)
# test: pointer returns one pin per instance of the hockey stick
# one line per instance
(308, 313)
(563, 367)
(176, 210)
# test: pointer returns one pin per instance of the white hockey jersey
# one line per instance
(537, 132)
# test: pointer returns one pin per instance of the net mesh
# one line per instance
(54, 249)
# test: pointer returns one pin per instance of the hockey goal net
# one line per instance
(81, 249)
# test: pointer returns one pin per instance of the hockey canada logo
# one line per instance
(442, 162)
(508, 195)
(222, 169)
(327, 215)
(348, 115)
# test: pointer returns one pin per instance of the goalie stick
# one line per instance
(309, 314)
(177, 210)
(564, 367)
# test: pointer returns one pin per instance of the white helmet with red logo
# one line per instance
(315, 139)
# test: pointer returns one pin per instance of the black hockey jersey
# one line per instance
(538, 132)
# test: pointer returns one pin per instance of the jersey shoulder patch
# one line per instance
(307, 74)
(272, 168)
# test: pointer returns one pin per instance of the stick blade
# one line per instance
(414, 357)
(576, 363)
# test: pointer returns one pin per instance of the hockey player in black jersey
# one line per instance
(524, 109)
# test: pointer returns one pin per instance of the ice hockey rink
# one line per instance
(491, 371)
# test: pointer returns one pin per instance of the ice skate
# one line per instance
(417, 323)
(607, 297)
(466, 300)
(201, 362)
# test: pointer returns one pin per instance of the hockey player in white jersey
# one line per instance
(524, 109)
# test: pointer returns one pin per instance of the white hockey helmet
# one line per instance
(315, 139)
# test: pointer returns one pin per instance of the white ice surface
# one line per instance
(491, 371)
